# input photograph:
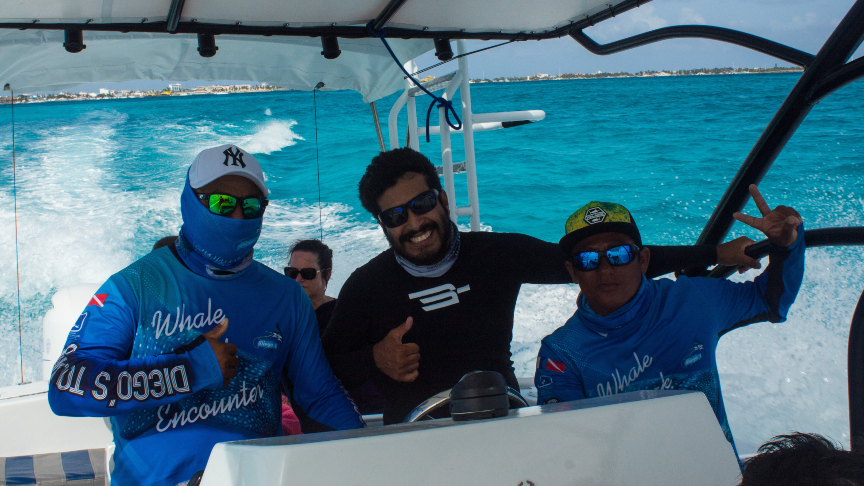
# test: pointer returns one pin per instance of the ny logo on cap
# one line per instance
(235, 157)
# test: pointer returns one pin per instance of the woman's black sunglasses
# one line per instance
(421, 204)
(306, 273)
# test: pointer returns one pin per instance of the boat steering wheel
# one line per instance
(439, 400)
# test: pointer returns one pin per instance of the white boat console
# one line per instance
(646, 438)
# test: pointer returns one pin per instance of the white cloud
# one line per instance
(645, 16)
(633, 22)
(797, 22)
(689, 16)
(808, 19)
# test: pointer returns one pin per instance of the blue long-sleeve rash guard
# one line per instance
(137, 354)
(666, 336)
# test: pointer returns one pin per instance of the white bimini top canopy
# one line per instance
(274, 41)
(35, 60)
(509, 16)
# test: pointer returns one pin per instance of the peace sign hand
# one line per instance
(780, 225)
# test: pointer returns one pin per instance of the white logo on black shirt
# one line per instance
(440, 296)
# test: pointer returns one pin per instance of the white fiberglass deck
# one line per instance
(646, 438)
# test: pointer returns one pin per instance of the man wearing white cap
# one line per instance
(154, 350)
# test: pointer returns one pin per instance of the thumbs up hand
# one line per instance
(226, 353)
(396, 360)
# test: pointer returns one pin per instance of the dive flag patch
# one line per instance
(550, 365)
(98, 299)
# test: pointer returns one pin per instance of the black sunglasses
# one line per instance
(421, 204)
(587, 261)
(223, 205)
(306, 273)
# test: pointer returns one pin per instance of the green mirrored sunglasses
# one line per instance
(223, 205)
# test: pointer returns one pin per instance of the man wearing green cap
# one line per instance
(630, 333)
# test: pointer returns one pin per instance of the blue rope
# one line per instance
(447, 104)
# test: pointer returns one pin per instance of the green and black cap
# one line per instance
(598, 217)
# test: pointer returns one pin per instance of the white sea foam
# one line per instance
(268, 112)
(75, 225)
(540, 310)
(273, 136)
(182, 141)
(792, 376)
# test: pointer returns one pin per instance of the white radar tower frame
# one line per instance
(471, 123)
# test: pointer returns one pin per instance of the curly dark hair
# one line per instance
(801, 459)
(319, 249)
(387, 168)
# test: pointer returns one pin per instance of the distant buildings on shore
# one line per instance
(178, 90)
(640, 74)
(171, 90)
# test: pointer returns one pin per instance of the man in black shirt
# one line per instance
(439, 303)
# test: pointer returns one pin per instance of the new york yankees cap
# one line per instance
(213, 163)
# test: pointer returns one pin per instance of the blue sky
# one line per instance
(803, 24)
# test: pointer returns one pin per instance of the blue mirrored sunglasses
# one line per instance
(620, 255)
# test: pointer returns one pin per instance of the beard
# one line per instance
(445, 231)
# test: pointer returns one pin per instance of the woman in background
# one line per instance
(310, 263)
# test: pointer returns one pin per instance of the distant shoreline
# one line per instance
(643, 74)
(105, 94)
(26, 99)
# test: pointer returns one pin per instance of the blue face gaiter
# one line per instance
(212, 242)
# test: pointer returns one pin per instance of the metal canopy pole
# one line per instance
(468, 136)
(837, 50)
(838, 78)
(447, 147)
(813, 238)
(447, 162)
(388, 13)
(413, 140)
(174, 15)
(742, 39)
(378, 127)
(855, 367)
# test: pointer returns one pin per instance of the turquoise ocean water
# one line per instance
(99, 182)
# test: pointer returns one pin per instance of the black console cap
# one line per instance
(479, 384)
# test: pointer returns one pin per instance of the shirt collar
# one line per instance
(629, 313)
(439, 268)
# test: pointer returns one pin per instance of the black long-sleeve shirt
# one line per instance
(463, 320)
